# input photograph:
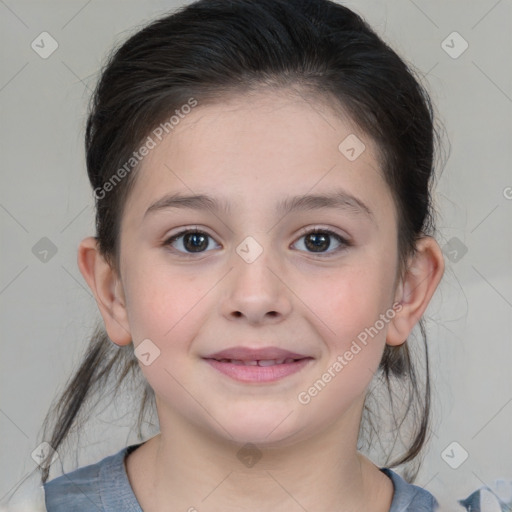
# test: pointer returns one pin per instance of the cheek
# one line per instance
(351, 311)
(166, 308)
(349, 300)
(161, 300)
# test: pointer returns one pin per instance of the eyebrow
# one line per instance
(339, 199)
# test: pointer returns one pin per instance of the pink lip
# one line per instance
(258, 374)
(248, 354)
(221, 361)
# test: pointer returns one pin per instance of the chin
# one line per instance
(267, 429)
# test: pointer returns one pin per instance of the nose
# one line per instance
(257, 293)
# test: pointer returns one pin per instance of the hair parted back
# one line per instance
(214, 48)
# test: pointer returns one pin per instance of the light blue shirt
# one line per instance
(104, 487)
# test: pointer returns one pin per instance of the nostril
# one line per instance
(271, 314)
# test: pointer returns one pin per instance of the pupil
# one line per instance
(318, 241)
(195, 242)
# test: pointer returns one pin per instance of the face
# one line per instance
(261, 271)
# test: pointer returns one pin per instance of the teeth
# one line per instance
(268, 362)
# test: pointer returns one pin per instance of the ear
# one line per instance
(424, 271)
(107, 289)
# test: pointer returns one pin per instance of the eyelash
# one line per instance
(344, 243)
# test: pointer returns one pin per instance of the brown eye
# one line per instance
(317, 242)
(190, 241)
(195, 242)
(321, 240)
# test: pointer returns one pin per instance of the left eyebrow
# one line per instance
(339, 199)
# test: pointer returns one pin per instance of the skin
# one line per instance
(253, 152)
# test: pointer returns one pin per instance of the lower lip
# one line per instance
(246, 373)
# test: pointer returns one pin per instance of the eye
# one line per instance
(190, 241)
(319, 240)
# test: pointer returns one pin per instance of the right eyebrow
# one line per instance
(197, 202)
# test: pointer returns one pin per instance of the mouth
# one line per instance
(258, 362)
(257, 366)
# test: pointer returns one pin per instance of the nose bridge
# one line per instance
(255, 290)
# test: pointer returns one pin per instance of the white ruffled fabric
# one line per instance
(497, 497)
(28, 497)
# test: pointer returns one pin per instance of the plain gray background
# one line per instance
(47, 312)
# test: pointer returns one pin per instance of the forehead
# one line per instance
(256, 148)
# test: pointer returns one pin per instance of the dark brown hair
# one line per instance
(212, 48)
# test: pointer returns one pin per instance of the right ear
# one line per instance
(107, 289)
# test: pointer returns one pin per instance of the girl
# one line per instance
(262, 174)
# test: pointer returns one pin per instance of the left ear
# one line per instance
(424, 272)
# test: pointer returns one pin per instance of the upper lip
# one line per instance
(249, 354)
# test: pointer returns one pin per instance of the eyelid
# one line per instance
(324, 229)
(187, 229)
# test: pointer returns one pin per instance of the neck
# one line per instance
(193, 471)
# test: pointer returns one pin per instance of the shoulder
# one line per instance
(408, 497)
(102, 486)
(79, 488)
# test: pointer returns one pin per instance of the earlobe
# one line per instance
(107, 290)
(415, 290)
